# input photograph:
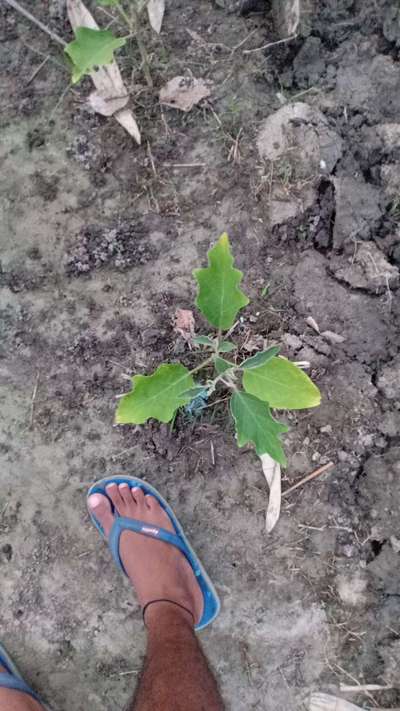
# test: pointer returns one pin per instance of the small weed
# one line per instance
(252, 387)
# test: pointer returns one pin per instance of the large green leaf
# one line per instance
(158, 395)
(282, 384)
(254, 423)
(260, 358)
(219, 297)
(90, 49)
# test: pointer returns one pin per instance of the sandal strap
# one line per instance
(145, 529)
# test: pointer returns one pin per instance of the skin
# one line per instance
(175, 675)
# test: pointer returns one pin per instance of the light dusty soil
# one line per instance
(316, 603)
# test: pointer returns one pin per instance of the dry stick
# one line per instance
(309, 477)
(37, 70)
(270, 44)
(16, 6)
(33, 401)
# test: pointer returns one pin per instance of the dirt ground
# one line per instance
(98, 241)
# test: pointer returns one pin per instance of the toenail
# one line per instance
(96, 500)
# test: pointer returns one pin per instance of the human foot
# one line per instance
(14, 700)
(156, 569)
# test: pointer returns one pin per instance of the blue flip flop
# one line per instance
(212, 603)
(12, 679)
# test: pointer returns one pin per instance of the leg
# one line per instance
(12, 700)
(176, 676)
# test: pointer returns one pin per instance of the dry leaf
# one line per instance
(325, 702)
(107, 79)
(155, 11)
(272, 473)
(310, 321)
(184, 323)
(184, 92)
(105, 105)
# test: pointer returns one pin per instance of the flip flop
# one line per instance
(12, 679)
(212, 603)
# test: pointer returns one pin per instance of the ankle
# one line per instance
(163, 614)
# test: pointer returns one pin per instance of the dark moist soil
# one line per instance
(99, 238)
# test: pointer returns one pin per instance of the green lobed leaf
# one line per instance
(203, 341)
(219, 297)
(260, 358)
(254, 423)
(91, 48)
(227, 347)
(282, 384)
(158, 395)
(221, 365)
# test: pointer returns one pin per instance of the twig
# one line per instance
(212, 453)
(309, 477)
(363, 687)
(16, 6)
(270, 44)
(37, 70)
(237, 46)
(33, 401)
(184, 165)
(151, 158)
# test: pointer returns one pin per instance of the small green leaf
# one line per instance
(90, 49)
(260, 358)
(203, 341)
(158, 395)
(254, 423)
(107, 3)
(226, 347)
(222, 365)
(194, 392)
(219, 297)
(282, 384)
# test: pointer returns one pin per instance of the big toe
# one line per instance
(100, 507)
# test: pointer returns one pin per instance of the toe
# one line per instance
(114, 493)
(138, 495)
(100, 507)
(151, 502)
(125, 493)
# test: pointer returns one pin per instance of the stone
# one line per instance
(301, 135)
(333, 338)
(292, 341)
(297, 140)
(368, 270)
(389, 379)
(358, 209)
(309, 64)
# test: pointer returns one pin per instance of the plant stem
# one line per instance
(202, 365)
(142, 48)
(133, 24)
(124, 16)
